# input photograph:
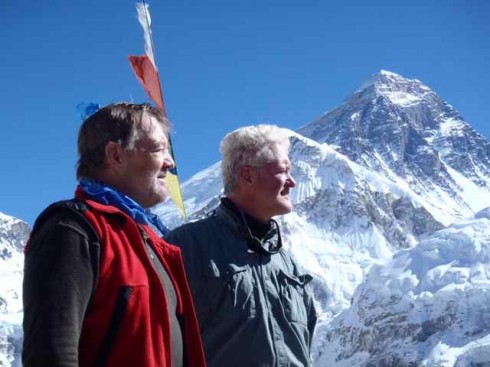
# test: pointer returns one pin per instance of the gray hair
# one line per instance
(117, 122)
(249, 145)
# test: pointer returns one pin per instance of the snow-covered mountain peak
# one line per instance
(383, 77)
(397, 89)
(13, 234)
(4, 218)
(406, 132)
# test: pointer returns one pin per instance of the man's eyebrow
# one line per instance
(159, 142)
(159, 146)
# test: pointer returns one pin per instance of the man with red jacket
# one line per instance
(101, 287)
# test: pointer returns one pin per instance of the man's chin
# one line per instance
(284, 208)
(163, 197)
(287, 203)
(288, 210)
(159, 198)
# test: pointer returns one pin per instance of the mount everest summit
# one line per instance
(406, 132)
(389, 217)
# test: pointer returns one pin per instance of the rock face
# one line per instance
(430, 304)
(403, 130)
(13, 236)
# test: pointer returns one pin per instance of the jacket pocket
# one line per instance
(240, 284)
(231, 292)
(293, 297)
(117, 317)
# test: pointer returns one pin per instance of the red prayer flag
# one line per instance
(148, 77)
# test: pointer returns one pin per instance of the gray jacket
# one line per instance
(253, 309)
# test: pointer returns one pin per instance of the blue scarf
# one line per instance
(105, 194)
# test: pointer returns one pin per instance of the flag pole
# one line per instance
(147, 73)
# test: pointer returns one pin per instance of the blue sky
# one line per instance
(223, 64)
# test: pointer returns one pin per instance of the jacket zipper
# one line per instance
(117, 317)
(268, 308)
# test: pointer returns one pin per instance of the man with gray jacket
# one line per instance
(251, 302)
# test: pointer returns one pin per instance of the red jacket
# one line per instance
(130, 295)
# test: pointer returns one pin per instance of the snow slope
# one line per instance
(429, 306)
(13, 236)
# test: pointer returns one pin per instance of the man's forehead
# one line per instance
(152, 128)
(281, 153)
(282, 160)
(150, 123)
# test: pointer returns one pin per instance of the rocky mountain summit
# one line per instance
(402, 129)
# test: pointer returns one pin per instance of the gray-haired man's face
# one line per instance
(272, 185)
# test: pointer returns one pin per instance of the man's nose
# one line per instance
(291, 181)
(168, 162)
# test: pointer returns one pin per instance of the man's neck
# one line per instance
(256, 227)
(248, 207)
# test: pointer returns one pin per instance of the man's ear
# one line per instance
(246, 175)
(113, 154)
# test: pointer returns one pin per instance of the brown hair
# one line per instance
(117, 122)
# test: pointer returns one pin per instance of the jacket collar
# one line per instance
(109, 197)
(268, 244)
